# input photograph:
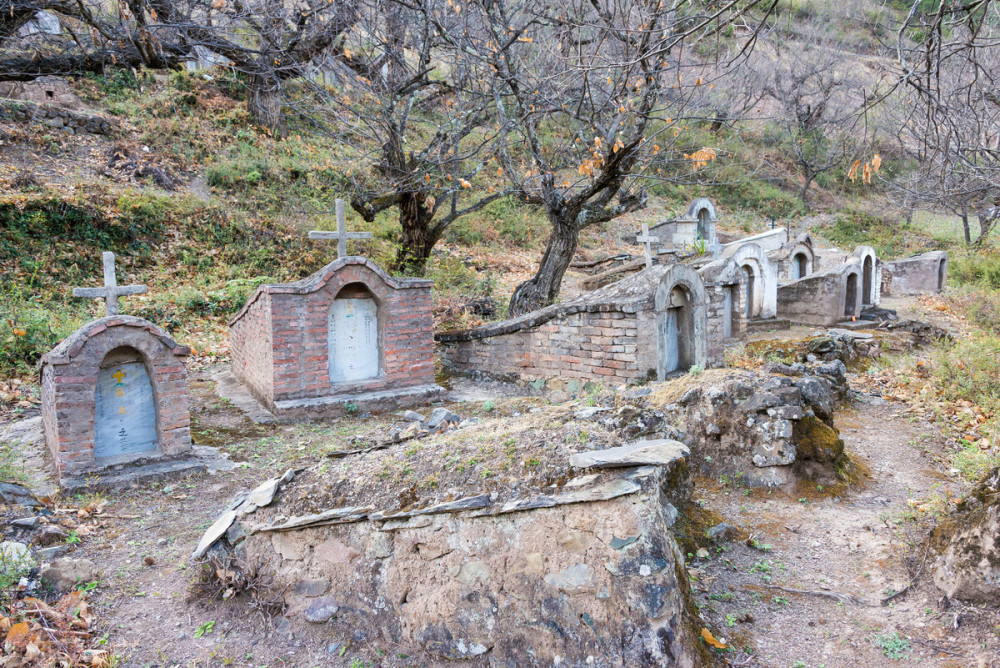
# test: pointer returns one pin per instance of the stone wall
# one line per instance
(819, 299)
(606, 336)
(69, 375)
(916, 275)
(279, 341)
(66, 120)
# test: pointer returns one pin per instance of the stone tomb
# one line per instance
(655, 323)
(795, 260)
(760, 280)
(115, 392)
(871, 275)
(914, 275)
(348, 334)
(826, 297)
(697, 223)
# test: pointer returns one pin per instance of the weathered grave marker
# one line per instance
(111, 291)
(341, 235)
(647, 240)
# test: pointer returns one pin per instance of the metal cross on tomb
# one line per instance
(644, 238)
(341, 235)
(111, 290)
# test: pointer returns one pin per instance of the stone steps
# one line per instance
(767, 325)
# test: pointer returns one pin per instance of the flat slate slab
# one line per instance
(660, 452)
(202, 459)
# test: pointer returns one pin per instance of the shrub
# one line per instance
(976, 268)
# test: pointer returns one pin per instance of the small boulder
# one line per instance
(322, 610)
(14, 560)
(413, 416)
(441, 419)
(65, 573)
(48, 534)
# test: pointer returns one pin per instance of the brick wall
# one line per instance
(69, 385)
(609, 347)
(279, 341)
(251, 348)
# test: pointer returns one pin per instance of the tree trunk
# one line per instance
(264, 103)
(542, 290)
(965, 227)
(805, 192)
(418, 238)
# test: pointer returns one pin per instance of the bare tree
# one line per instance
(943, 97)
(419, 114)
(584, 90)
(811, 93)
(269, 42)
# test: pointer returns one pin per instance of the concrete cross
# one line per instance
(111, 290)
(341, 235)
(715, 247)
(644, 238)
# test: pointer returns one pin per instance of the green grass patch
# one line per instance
(976, 268)
(889, 237)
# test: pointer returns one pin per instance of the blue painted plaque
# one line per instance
(125, 412)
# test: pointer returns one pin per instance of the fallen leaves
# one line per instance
(50, 635)
(709, 639)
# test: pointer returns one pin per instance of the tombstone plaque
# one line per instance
(125, 413)
(353, 340)
(671, 343)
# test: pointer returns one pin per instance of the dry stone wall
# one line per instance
(57, 118)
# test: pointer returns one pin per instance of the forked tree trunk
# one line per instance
(264, 103)
(543, 288)
(418, 237)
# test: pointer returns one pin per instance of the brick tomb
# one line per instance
(114, 392)
(659, 321)
(348, 337)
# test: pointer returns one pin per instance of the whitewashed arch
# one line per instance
(692, 342)
(765, 273)
(871, 275)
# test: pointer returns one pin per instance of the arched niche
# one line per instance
(758, 279)
(125, 407)
(852, 293)
(869, 279)
(942, 273)
(354, 341)
(681, 321)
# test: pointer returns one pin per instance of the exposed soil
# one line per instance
(861, 542)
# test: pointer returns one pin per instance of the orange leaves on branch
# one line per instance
(701, 158)
(867, 169)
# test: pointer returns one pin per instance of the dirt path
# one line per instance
(860, 543)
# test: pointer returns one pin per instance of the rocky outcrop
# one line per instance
(58, 118)
(581, 573)
(769, 427)
(967, 566)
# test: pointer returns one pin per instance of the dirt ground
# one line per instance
(775, 590)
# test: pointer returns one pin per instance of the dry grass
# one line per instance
(672, 390)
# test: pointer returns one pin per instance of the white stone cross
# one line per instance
(715, 247)
(341, 235)
(644, 238)
(111, 290)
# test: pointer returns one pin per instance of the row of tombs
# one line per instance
(115, 392)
